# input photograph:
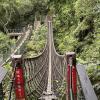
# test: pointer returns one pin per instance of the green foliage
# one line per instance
(67, 44)
(92, 52)
(7, 81)
(61, 90)
(18, 13)
(5, 43)
(37, 42)
(85, 8)
(76, 27)
(94, 74)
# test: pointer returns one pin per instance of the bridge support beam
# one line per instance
(18, 77)
(71, 76)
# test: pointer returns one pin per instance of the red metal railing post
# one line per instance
(19, 78)
(74, 77)
(71, 76)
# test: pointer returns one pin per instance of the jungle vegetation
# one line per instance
(76, 28)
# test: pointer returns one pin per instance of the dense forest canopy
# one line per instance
(76, 26)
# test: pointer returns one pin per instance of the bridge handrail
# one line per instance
(17, 30)
(19, 44)
(85, 83)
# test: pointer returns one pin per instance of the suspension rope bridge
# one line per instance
(45, 74)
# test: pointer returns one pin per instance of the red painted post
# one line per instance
(19, 78)
(71, 76)
(74, 78)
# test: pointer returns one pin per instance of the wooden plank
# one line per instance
(3, 72)
(85, 83)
